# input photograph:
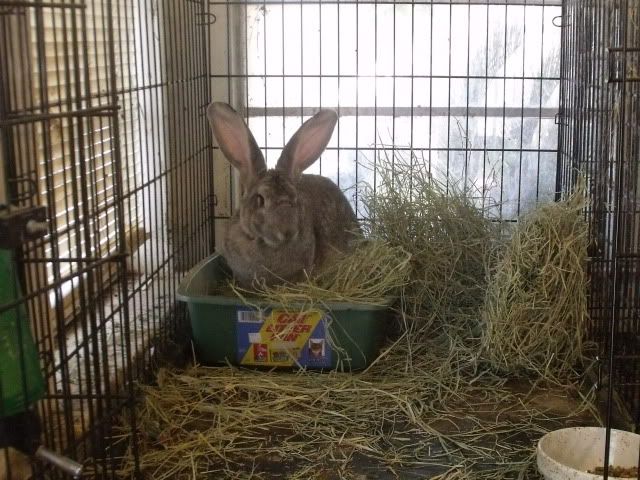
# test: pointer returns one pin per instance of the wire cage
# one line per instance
(600, 137)
(478, 105)
(104, 139)
(102, 109)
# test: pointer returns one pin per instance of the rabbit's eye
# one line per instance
(259, 199)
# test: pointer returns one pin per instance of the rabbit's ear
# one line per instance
(235, 140)
(308, 143)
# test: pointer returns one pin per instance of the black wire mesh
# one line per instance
(600, 136)
(102, 120)
(470, 88)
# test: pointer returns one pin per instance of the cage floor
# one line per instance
(561, 407)
(501, 437)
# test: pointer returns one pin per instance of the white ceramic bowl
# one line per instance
(569, 453)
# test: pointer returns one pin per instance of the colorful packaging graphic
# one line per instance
(280, 338)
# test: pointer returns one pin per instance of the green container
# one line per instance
(21, 382)
(342, 336)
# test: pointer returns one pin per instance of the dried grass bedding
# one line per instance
(486, 358)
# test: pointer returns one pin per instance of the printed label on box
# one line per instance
(280, 338)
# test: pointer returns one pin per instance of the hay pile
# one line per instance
(436, 403)
(451, 239)
(535, 314)
(233, 423)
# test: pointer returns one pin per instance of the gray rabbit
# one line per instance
(288, 223)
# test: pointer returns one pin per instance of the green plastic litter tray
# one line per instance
(342, 336)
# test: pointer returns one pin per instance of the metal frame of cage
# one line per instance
(600, 139)
(100, 132)
(167, 95)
